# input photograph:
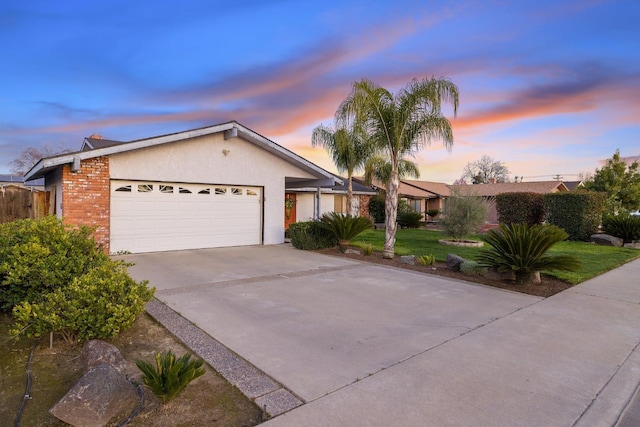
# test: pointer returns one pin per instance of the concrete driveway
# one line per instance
(316, 323)
(362, 344)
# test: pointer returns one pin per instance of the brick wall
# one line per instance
(364, 205)
(85, 197)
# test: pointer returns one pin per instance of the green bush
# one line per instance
(367, 249)
(311, 235)
(464, 215)
(471, 268)
(98, 304)
(170, 375)
(38, 256)
(410, 219)
(624, 226)
(345, 227)
(579, 213)
(433, 213)
(426, 260)
(376, 209)
(514, 208)
(522, 249)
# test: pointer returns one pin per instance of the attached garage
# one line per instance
(164, 216)
(218, 186)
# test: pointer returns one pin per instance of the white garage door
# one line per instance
(163, 216)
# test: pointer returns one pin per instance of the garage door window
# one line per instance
(221, 190)
(205, 191)
(124, 189)
(145, 188)
(166, 188)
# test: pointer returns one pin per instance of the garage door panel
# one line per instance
(192, 216)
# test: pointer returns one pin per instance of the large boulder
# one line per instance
(100, 395)
(96, 352)
(454, 262)
(606, 240)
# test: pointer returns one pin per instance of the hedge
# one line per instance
(524, 207)
(310, 235)
(577, 212)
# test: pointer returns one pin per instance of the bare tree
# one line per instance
(29, 156)
(486, 170)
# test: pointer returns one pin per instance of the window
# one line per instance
(236, 191)
(220, 190)
(251, 193)
(340, 204)
(124, 189)
(183, 190)
(205, 191)
(145, 188)
(166, 188)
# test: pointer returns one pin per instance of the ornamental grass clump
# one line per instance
(522, 249)
(345, 227)
(170, 375)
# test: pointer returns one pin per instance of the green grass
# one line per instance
(595, 259)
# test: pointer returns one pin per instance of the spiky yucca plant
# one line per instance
(522, 249)
(170, 375)
(345, 227)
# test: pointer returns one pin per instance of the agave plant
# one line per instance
(170, 375)
(345, 227)
(522, 249)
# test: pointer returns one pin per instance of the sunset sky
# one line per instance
(547, 87)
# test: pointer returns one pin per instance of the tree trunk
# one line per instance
(349, 195)
(391, 210)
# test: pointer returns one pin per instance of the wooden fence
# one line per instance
(18, 202)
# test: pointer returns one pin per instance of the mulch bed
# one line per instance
(549, 286)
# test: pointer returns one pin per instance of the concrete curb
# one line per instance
(257, 386)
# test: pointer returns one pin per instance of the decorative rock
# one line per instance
(408, 259)
(96, 352)
(99, 396)
(353, 252)
(454, 262)
(606, 240)
(633, 245)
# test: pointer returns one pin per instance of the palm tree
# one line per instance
(399, 126)
(348, 149)
(378, 169)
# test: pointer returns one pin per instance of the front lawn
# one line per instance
(595, 259)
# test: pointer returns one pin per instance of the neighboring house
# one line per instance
(438, 194)
(217, 186)
(490, 191)
(332, 199)
(36, 184)
(572, 185)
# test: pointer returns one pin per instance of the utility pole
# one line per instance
(558, 177)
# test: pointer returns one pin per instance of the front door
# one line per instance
(289, 209)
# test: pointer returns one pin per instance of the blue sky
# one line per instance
(547, 87)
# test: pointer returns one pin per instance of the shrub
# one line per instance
(464, 215)
(579, 213)
(345, 227)
(38, 256)
(522, 249)
(367, 249)
(170, 375)
(624, 226)
(427, 260)
(98, 304)
(410, 219)
(471, 267)
(522, 207)
(376, 209)
(311, 235)
(433, 213)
